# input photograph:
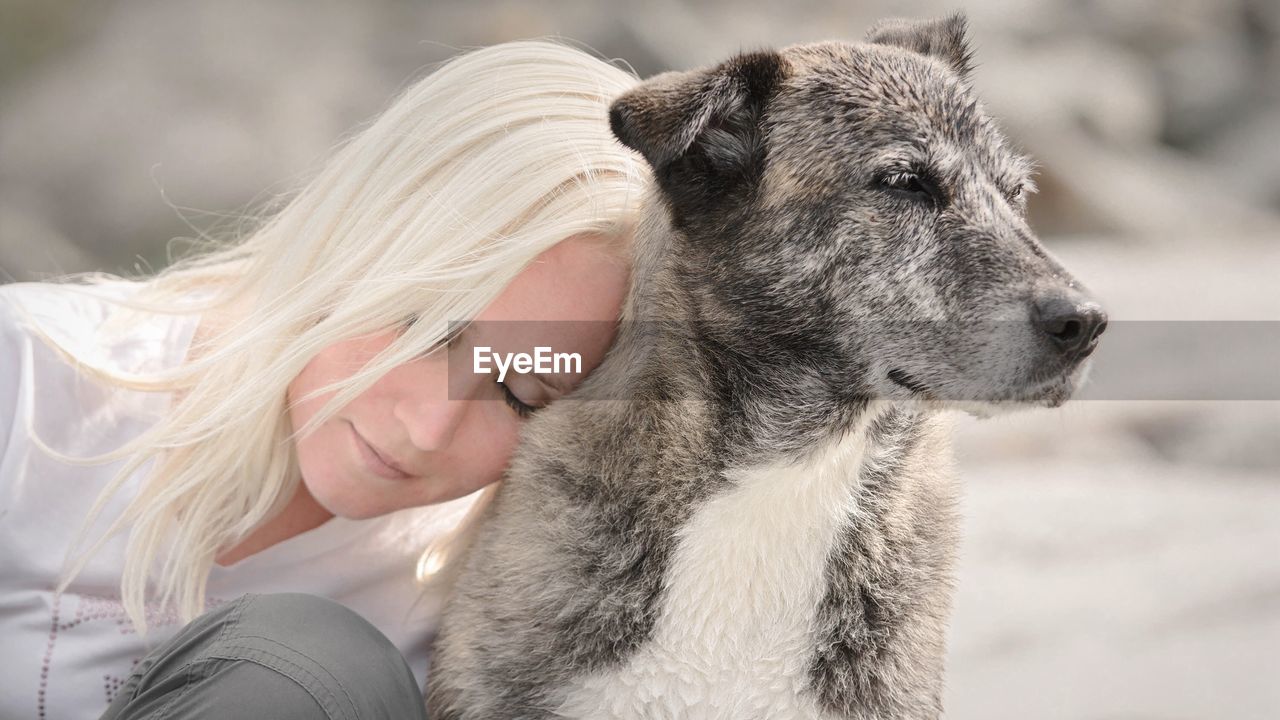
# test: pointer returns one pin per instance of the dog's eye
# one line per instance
(910, 183)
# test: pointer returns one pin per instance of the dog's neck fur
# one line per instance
(747, 590)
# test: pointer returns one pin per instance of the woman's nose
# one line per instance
(431, 424)
(433, 418)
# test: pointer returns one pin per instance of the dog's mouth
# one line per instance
(1050, 389)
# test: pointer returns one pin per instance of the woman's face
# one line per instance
(423, 434)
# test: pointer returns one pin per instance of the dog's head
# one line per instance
(850, 205)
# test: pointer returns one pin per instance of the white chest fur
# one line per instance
(735, 633)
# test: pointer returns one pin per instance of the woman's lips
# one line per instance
(373, 460)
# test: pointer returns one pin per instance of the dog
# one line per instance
(747, 511)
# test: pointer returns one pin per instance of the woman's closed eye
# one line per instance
(521, 408)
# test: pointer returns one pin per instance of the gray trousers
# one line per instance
(287, 656)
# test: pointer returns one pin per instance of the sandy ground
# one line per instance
(1115, 588)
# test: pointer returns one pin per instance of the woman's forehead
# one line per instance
(575, 280)
(567, 301)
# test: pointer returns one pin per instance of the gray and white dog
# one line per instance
(747, 510)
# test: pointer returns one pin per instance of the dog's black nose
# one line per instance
(1073, 324)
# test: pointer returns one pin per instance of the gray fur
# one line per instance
(786, 277)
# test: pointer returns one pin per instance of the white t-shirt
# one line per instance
(65, 656)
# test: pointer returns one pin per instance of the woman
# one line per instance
(297, 412)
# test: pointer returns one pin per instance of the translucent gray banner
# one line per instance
(1134, 360)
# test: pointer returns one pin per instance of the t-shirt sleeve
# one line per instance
(14, 346)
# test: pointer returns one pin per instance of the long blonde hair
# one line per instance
(427, 213)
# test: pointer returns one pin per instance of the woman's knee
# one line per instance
(326, 647)
(289, 655)
(322, 629)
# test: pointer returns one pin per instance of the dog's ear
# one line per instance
(713, 114)
(943, 38)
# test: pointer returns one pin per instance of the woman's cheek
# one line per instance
(503, 437)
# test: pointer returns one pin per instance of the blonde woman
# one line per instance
(273, 431)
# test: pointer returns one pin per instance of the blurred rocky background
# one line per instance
(1122, 556)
